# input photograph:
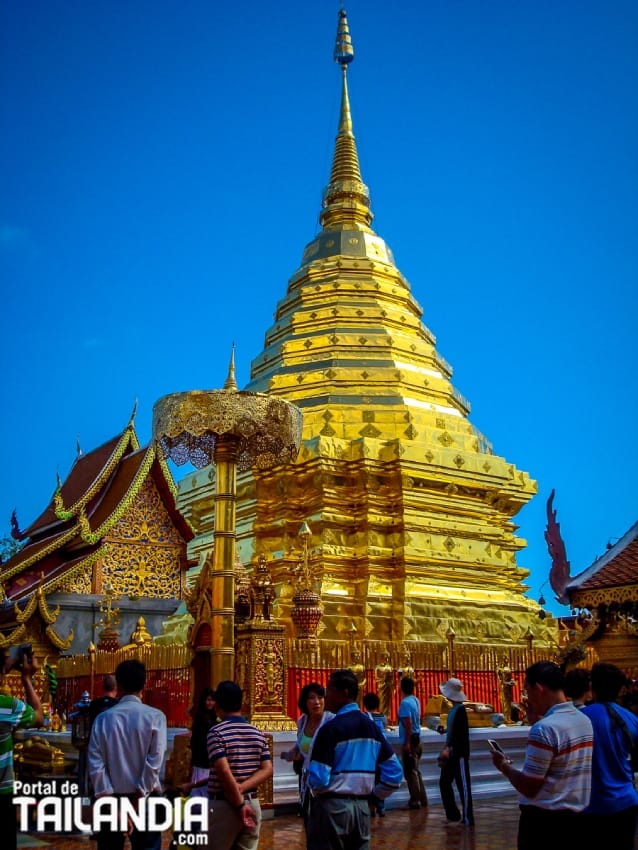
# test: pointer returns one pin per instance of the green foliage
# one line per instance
(8, 547)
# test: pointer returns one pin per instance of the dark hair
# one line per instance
(130, 676)
(200, 708)
(371, 702)
(228, 696)
(607, 681)
(312, 688)
(546, 673)
(344, 680)
(407, 685)
(109, 683)
(577, 682)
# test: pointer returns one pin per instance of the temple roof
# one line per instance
(88, 474)
(69, 535)
(617, 567)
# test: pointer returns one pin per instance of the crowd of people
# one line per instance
(576, 778)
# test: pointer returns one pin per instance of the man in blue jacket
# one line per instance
(341, 775)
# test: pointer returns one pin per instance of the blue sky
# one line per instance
(162, 169)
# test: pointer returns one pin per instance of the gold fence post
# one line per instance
(91, 652)
(451, 654)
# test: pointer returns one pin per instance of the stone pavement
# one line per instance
(401, 829)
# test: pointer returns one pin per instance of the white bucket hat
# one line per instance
(453, 690)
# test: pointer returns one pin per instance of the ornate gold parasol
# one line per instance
(234, 430)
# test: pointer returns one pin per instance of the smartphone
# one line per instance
(17, 653)
(495, 747)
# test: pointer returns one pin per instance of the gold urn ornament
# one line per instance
(306, 612)
(306, 609)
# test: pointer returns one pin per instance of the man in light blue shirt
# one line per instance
(410, 739)
(126, 753)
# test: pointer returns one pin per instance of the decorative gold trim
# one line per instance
(89, 561)
(48, 616)
(14, 637)
(56, 640)
(23, 615)
(40, 554)
(155, 656)
(604, 596)
(128, 437)
(125, 501)
(168, 475)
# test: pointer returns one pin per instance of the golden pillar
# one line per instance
(223, 573)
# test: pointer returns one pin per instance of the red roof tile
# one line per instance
(617, 567)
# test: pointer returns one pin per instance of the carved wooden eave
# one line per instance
(14, 637)
(592, 599)
(48, 616)
(57, 641)
(36, 552)
(38, 607)
(23, 615)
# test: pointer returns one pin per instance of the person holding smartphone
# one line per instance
(15, 714)
(554, 782)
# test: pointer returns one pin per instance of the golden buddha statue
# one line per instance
(384, 676)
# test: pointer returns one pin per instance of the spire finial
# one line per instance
(78, 448)
(231, 383)
(344, 51)
(346, 199)
(131, 418)
(58, 501)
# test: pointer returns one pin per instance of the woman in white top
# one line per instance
(312, 705)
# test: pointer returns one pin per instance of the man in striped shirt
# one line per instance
(346, 753)
(239, 762)
(14, 714)
(554, 783)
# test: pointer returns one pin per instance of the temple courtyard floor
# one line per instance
(401, 829)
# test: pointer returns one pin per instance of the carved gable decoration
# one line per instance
(144, 552)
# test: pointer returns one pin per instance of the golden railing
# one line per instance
(168, 682)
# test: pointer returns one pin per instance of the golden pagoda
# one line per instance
(410, 512)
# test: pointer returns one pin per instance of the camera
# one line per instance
(17, 653)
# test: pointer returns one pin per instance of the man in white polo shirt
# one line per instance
(554, 783)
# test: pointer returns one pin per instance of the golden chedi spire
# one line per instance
(346, 199)
(230, 383)
(411, 511)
